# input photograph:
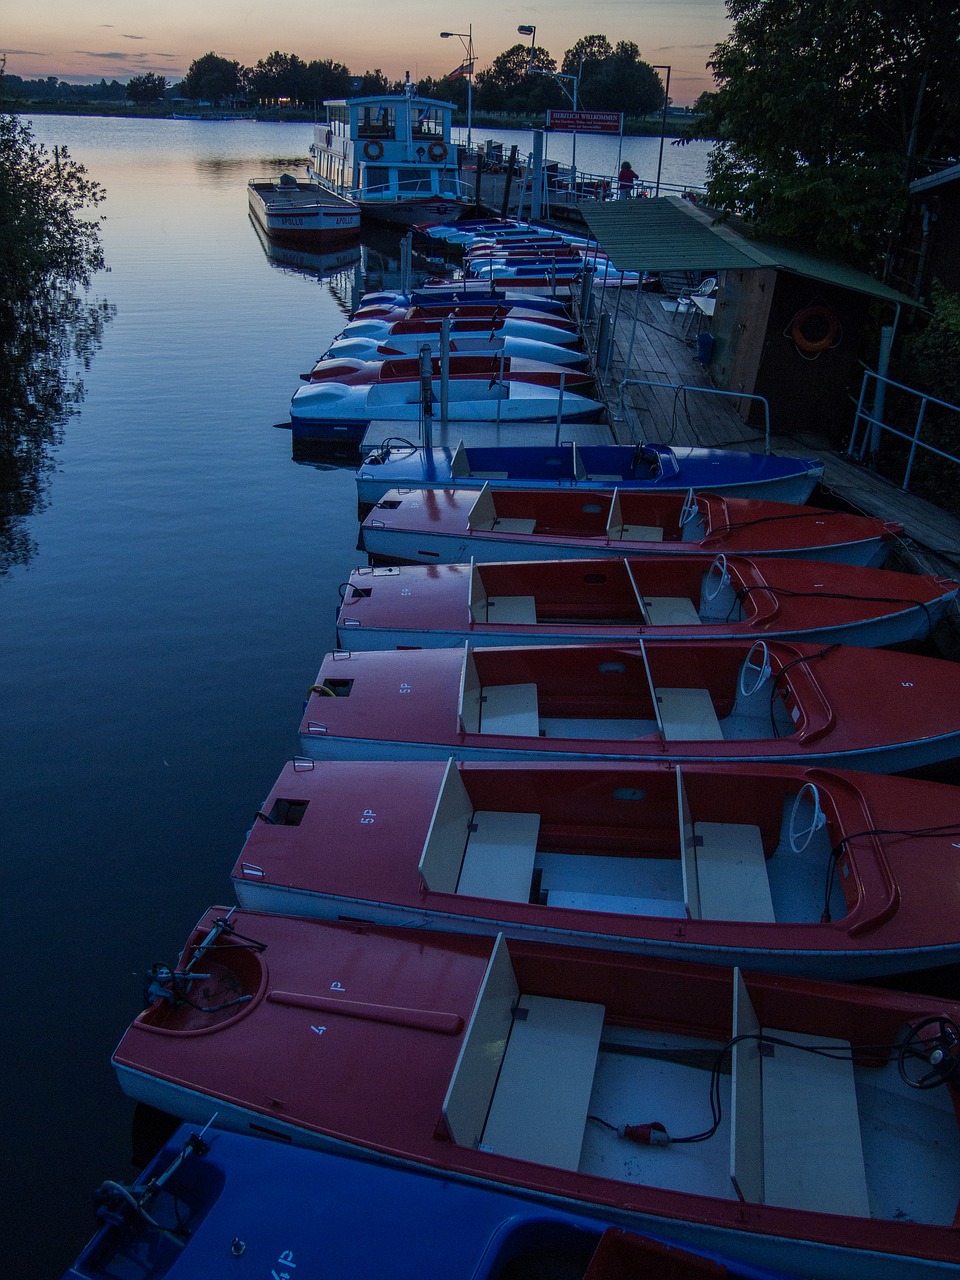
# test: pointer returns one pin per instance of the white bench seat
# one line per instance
(688, 715)
(512, 610)
(507, 524)
(510, 710)
(500, 854)
(636, 533)
(732, 872)
(542, 1096)
(670, 611)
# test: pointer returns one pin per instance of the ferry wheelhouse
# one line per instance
(393, 155)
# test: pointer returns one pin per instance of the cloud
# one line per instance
(24, 53)
(126, 37)
(104, 53)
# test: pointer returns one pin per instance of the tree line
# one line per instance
(522, 79)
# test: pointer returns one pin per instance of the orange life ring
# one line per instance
(437, 152)
(373, 149)
(815, 329)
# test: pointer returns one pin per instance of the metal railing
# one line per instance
(873, 424)
(703, 391)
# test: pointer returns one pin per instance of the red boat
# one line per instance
(661, 597)
(580, 1079)
(499, 368)
(452, 526)
(666, 700)
(479, 313)
(793, 870)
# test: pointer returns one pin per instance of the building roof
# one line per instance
(672, 234)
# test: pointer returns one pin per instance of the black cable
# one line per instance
(807, 657)
(786, 593)
(833, 858)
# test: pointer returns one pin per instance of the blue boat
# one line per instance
(400, 464)
(217, 1205)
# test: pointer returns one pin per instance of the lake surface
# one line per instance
(156, 650)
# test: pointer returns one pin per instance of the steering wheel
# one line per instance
(719, 571)
(689, 508)
(937, 1054)
(756, 665)
(800, 830)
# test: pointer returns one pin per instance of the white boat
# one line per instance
(392, 154)
(294, 212)
(338, 411)
(487, 343)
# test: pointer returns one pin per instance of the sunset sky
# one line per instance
(117, 39)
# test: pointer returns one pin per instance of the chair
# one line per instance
(705, 289)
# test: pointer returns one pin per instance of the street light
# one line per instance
(466, 39)
(532, 33)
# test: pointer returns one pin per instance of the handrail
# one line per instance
(865, 416)
(711, 391)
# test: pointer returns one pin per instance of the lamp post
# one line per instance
(466, 39)
(532, 33)
(663, 120)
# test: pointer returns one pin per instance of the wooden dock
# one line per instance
(652, 342)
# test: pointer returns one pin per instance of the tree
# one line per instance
(212, 78)
(49, 251)
(586, 56)
(507, 85)
(823, 114)
(146, 88)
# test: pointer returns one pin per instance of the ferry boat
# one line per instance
(392, 154)
(298, 213)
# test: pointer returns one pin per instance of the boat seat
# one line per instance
(510, 709)
(795, 1136)
(732, 872)
(635, 533)
(507, 525)
(620, 903)
(604, 479)
(539, 1107)
(512, 609)
(500, 854)
(688, 715)
(670, 611)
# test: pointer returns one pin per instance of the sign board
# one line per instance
(585, 121)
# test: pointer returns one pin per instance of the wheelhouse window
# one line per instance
(377, 122)
(428, 123)
(375, 179)
(411, 181)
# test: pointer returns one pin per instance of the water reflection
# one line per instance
(50, 342)
(321, 265)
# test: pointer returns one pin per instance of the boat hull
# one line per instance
(303, 220)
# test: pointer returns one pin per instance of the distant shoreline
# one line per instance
(634, 128)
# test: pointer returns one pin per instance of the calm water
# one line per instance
(155, 652)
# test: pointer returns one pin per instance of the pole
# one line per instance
(470, 88)
(663, 126)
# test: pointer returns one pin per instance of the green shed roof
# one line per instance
(672, 234)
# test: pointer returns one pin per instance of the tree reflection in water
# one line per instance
(50, 328)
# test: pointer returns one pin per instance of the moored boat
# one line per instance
(496, 366)
(790, 870)
(302, 213)
(516, 323)
(620, 601)
(579, 1079)
(486, 342)
(729, 701)
(450, 526)
(336, 411)
(214, 1203)
(647, 467)
(393, 155)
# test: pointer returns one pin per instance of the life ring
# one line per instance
(815, 329)
(373, 149)
(437, 152)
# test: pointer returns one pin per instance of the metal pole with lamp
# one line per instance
(468, 49)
